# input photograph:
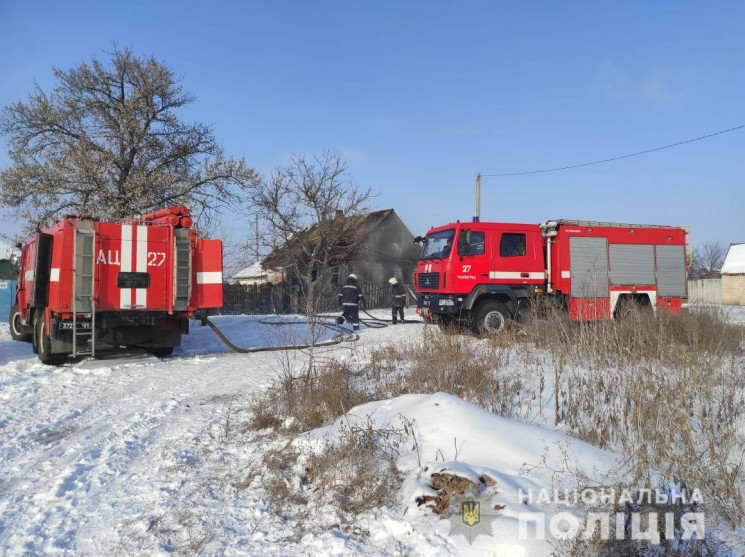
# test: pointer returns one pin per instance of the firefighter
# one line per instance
(399, 299)
(351, 299)
(446, 250)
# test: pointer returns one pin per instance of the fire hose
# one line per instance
(342, 335)
(326, 321)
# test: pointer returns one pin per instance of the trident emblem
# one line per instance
(470, 511)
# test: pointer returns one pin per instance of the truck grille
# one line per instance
(430, 281)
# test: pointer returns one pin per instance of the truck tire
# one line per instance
(490, 318)
(162, 351)
(18, 331)
(44, 344)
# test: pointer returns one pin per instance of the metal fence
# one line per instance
(705, 291)
(269, 298)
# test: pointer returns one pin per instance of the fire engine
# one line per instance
(86, 285)
(484, 274)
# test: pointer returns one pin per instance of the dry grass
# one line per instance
(304, 403)
(667, 391)
(354, 473)
(358, 472)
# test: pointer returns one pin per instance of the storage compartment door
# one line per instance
(207, 278)
(589, 267)
(42, 270)
(671, 271)
(632, 264)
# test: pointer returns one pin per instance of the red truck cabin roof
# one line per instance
(484, 226)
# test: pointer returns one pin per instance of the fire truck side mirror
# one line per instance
(19, 245)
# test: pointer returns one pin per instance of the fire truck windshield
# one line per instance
(438, 245)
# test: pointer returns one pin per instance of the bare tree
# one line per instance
(313, 214)
(708, 259)
(107, 141)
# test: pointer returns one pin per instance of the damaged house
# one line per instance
(381, 247)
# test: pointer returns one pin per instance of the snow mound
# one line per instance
(451, 436)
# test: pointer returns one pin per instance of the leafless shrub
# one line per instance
(355, 472)
(474, 370)
(359, 472)
(304, 403)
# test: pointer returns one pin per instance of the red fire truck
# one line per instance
(86, 285)
(484, 274)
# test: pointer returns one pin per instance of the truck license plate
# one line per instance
(67, 325)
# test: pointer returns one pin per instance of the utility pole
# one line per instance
(256, 236)
(477, 217)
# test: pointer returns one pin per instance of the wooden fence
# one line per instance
(705, 291)
(269, 298)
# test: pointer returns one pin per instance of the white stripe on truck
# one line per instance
(125, 300)
(54, 275)
(212, 277)
(141, 265)
(516, 275)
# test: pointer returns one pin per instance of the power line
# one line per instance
(616, 158)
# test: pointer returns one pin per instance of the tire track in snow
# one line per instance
(106, 420)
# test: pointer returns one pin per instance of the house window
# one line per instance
(512, 245)
(471, 242)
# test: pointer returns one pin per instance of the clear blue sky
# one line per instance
(419, 96)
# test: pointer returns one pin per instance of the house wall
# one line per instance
(252, 280)
(388, 252)
(733, 290)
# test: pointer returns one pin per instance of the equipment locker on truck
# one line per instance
(86, 285)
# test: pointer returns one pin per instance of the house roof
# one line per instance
(734, 263)
(367, 223)
(6, 250)
(252, 271)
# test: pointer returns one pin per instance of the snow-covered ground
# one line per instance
(733, 314)
(454, 437)
(104, 457)
(136, 455)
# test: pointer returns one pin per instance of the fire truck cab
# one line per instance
(485, 274)
(86, 285)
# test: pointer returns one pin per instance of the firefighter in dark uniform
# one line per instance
(351, 298)
(399, 299)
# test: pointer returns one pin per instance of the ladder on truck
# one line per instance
(181, 270)
(84, 288)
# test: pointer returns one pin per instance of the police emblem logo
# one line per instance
(470, 511)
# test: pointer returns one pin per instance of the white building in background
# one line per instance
(256, 274)
(733, 276)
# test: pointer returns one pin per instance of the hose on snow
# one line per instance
(342, 335)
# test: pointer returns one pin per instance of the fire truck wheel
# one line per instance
(161, 352)
(18, 331)
(490, 318)
(44, 344)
